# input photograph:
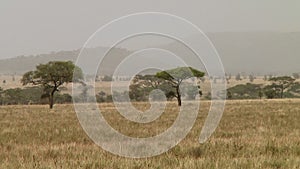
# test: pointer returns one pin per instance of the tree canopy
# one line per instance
(142, 85)
(244, 91)
(177, 75)
(52, 75)
(282, 83)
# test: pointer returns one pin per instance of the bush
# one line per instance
(30, 95)
(107, 78)
(247, 91)
(62, 98)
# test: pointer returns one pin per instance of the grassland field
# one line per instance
(252, 134)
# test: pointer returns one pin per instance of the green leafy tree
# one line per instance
(244, 91)
(142, 85)
(63, 98)
(31, 95)
(101, 97)
(53, 75)
(176, 76)
(107, 78)
(282, 83)
(12, 96)
(271, 91)
(295, 88)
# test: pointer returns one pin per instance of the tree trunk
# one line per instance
(51, 98)
(282, 89)
(51, 101)
(178, 96)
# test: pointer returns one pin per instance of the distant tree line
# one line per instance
(30, 95)
(278, 87)
(252, 77)
(142, 85)
(48, 80)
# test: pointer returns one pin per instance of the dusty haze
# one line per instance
(264, 34)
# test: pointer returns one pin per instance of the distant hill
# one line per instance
(22, 64)
(250, 52)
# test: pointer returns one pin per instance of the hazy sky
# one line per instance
(35, 26)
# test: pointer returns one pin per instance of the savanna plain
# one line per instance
(251, 134)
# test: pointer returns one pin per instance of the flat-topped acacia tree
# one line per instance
(177, 75)
(281, 83)
(51, 76)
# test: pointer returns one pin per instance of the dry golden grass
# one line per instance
(9, 81)
(252, 134)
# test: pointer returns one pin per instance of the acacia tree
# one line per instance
(177, 75)
(51, 76)
(142, 85)
(282, 83)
